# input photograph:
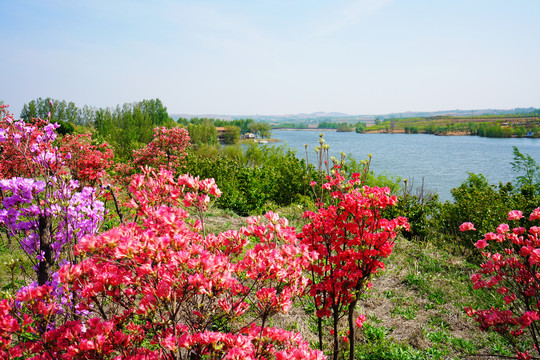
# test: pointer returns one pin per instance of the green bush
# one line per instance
(251, 180)
(486, 206)
(420, 211)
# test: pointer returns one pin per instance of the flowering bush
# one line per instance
(350, 237)
(167, 150)
(514, 275)
(87, 162)
(41, 207)
(162, 290)
(26, 148)
(149, 191)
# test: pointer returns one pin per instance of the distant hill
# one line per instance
(457, 112)
(338, 116)
(288, 117)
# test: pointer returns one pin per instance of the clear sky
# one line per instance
(273, 56)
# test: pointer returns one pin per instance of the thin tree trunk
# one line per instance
(319, 327)
(336, 341)
(350, 317)
(45, 247)
(116, 205)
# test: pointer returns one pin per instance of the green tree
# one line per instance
(529, 169)
(265, 130)
(87, 115)
(203, 133)
(155, 111)
(344, 127)
(520, 131)
(261, 129)
(254, 128)
(104, 124)
(360, 127)
(57, 110)
(243, 124)
(231, 135)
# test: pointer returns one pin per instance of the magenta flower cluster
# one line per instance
(44, 190)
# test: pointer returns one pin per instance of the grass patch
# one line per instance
(14, 265)
(407, 312)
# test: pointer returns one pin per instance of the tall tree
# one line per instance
(203, 133)
(231, 135)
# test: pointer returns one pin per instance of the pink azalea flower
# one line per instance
(480, 244)
(535, 257)
(535, 215)
(503, 228)
(466, 226)
(515, 215)
(360, 321)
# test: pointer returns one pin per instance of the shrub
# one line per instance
(41, 207)
(350, 237)
(162, 290)
(511, 276)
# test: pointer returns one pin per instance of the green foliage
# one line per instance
(345, 128)
(64, 113)
(231, 135)
(254, 155)
(360, 127)
(130, 126)
(486, 206)
(250, 181)
(524, 164)
(377, 346)
(412, 129)
(65, 128)
(291, 125)
(233, 152)
(407, 312)
(474, 201)
(341, 126)
(492, 130)
(243, 124)
(60, 110)
(206, 151)
(261, 129)
(203, 132)
(374, 333)
(419, 210)
(351, 165)
(519, 131)
(503, 125)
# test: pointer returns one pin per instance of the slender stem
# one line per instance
(45, 248)
(336, 321)
(350, 318)
(116, 205)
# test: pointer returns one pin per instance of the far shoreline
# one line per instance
(401, 131)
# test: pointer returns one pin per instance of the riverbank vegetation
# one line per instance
(110, 250)
(516, 125)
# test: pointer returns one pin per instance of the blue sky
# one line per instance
(273, 56)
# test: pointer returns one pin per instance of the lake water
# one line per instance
(442, 161)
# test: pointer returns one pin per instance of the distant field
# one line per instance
(487, 125)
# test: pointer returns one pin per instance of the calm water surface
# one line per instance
(442, 161)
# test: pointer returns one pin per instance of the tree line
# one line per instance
(129, 126)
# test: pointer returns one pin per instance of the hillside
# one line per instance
(485, 125)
